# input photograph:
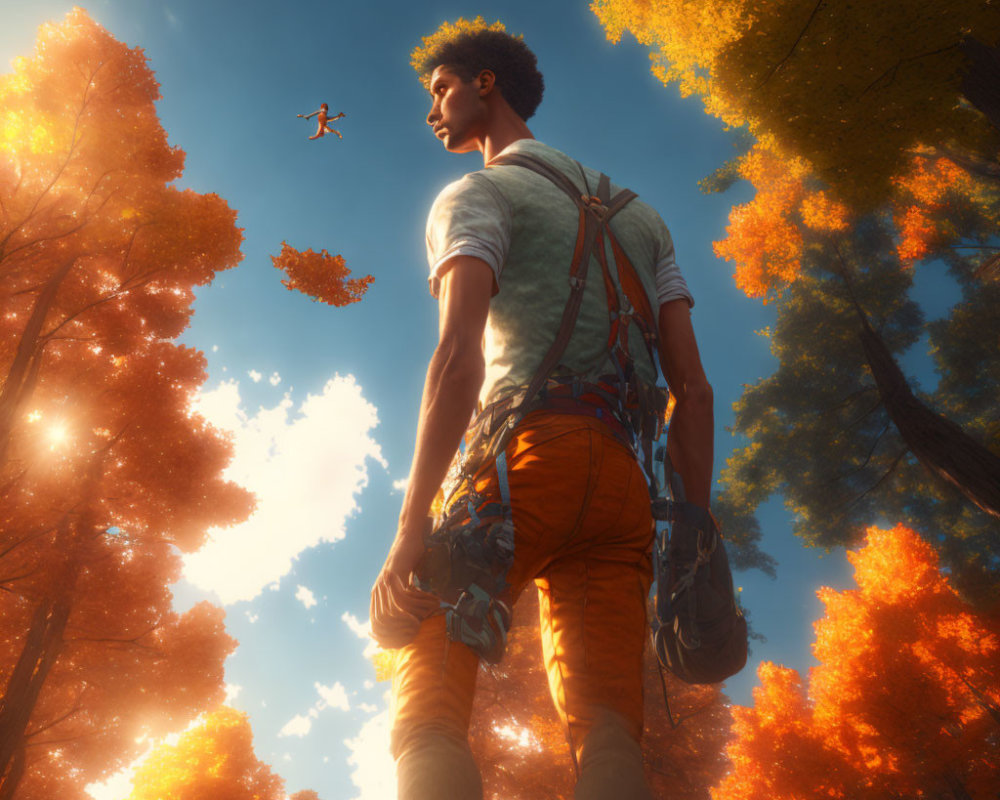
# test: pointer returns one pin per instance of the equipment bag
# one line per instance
(699, 631)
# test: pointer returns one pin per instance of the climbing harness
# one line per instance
(471, 547)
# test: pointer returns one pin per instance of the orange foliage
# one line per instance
(105, 474)
(904, 702)
(321, 276)
(764, 237)
(919, 193)
(767, 237)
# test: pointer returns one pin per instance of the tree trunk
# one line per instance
(981, 82)
(939, 444)
(18, 385)
(10, 779)
(42, 647)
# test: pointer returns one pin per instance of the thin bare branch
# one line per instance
(879, 482)
(795, 44)
(56, 721)
(891, 71)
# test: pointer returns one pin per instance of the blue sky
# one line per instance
(322, 401)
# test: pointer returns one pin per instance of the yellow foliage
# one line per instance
(686, 38)
(212, 759)
(850, 87)
(446, 32)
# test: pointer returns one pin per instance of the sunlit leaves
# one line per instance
(99, 257)
(321, 276)
(214, 759)
(850, 88)
(902, 701)
(933, 205)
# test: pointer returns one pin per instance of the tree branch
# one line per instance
(62, 168)
(874, 486)
(895, 67)
(798, 39)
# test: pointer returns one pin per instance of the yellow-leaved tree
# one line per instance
(852, 88)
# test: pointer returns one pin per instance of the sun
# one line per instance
(57, 436)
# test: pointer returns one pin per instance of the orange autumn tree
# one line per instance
(213, 760)
(522, 750)
(105, 476)
(904, 703)
(321, 276)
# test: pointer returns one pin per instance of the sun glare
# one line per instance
(57, 436)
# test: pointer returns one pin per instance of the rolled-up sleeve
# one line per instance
(469, 217)
(670, 284)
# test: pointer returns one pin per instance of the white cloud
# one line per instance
(369, 684)
(305, 596)
(252, 617)
(215, 348)
(302, 468)
(275, 379)
(299, 725)
(255, 376)
(329, 697)
(368, 708)
(358, 628)
(232, 691)
(401, 484)
(332, 696)
(374, 771)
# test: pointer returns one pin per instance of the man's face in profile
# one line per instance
(458, 111)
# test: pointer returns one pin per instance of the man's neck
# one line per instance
(504, 131)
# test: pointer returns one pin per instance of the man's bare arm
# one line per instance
(308, 116)
(454, 378)
(690, 438)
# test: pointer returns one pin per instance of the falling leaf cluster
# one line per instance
(321, 276)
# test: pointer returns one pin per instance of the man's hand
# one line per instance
(397, 606)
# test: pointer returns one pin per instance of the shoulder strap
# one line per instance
(595, 213)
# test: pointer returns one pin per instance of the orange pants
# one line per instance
(583, 533)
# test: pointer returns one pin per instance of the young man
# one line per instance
(500, 242)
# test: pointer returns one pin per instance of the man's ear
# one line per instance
(487, 80)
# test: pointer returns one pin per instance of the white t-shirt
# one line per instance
(525, 228)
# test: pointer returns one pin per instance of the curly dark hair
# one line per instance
(508, 57)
